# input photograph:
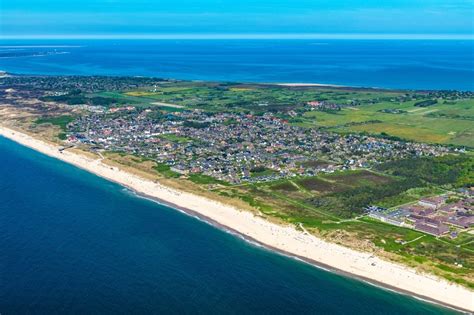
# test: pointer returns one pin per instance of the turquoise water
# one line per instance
(413, 64)
(73, 243)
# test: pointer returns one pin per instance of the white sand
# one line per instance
(167, 105)
(310, 84)
(283, 238)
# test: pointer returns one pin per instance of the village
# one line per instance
(236, 147)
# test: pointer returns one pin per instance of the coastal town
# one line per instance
(236, 147)
(365, 168)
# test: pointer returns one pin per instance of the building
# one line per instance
(432, 229)
(314, 103)
(432, 202)
(387, 219)
(461, 221)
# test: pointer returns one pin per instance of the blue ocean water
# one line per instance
(73, 243)
(412, 64)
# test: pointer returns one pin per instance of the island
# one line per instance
(374, 183)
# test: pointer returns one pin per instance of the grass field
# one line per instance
(60, 121)
(221, 96)
(434, 124)
(125, 98)
(175, 138)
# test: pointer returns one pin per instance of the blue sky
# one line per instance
(146, 18)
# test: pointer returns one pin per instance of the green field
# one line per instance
(175, 138)
(60, 121)
(205, 180)
(434, 124)
(220, 96)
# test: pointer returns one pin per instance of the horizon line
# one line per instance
(203, 36)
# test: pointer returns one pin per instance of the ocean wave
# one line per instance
(16, 54)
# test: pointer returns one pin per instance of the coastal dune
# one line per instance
(285, 239)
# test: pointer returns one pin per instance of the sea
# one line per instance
(397, 64)
(74, 243)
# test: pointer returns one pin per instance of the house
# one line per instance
(180, 170)
(432, 229)
(417, 210)
(448, 209)
(432, 202)
(314, 103)
(72, 139)
(461, 221)
(384, 218)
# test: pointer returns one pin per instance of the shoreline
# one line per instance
(313, 263)
(296, 84)
(285, 240)
(276, 83)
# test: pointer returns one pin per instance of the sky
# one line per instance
(247, 18)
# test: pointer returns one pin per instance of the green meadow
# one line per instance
(441, 123)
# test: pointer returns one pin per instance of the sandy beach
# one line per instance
(310, 84)
(285, 239)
